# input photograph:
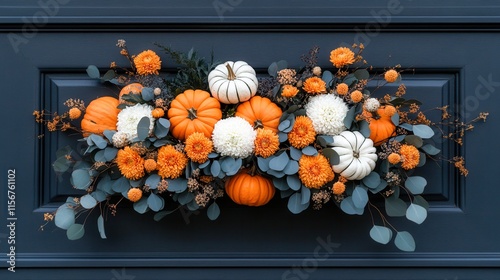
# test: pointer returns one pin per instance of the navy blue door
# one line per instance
(450, 49)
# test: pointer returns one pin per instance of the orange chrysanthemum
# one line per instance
(302, 133)
(314, 85)
(341, 57)
(391, 76)
(342, 89)
(147, 63)
(170, 162)
(266, 143)
(158, 113)
(338, 188)
(394, 158)
(315, 171)
(289, 91)
(134, 194)
(74, 113)
(356, 96)
(198, 146)
(150, 165)
(410, 156)
(130, 163)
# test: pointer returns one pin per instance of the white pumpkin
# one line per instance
(233, 82)
(357, 155)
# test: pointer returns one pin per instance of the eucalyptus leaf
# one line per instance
(75, 232)
(81, 179)
(347, 205)
(278, 163)
(422, 130)
(98, 140)
(272, 70)
(99, 195)
(395, 207)
(430, 149)
(120, 185)
(332, 156)
(416, 213)
(404, 241)
(324, 140)
(143, 128)
(284, 125)
(416, 184)
(277, 174)
(395, 119)
(155, 202)
(105, 184)
(281, 183)
(152, 181)
(381, 234)
(359, 197)
(109, 75)
(147, 93)
(349, 118)
(406, 126)
(414, 140)
(215, 168)
(100, 227)
(362, 74)
(110, 153)
(61, 164)
(178, 185)
(305, 195)
(327, 77)
(64, 217)
(185, 197)
(263, 163)
(380, 187)
(422, 159)
(309, 151)
(364, 128)
(419, 200)
(213, 211)
(93, 72)
(291, 168)
(295, 154)
(88, 202)
(294, 182)
(372, 180)
(294, 203)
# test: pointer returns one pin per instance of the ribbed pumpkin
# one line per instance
(193, 111)
(134, 88)
(381, 126)
(260, 112)
(101, 114)
(251, 190)
(233, 82)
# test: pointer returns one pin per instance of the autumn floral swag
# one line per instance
(214, 129)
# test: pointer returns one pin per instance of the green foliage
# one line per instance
(75, 232)
(100, 227)
(213, 211)
(381, 234)
(404, 241)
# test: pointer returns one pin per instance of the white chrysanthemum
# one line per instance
(129, 118)
(327, 113)
(234, 137)
(371, 105)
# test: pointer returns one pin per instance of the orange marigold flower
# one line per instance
(134, 194)
(170, 162)
(356, 96)
(158, 113)
(410, 156)
(289, 91)
(150, 165)
(338, 188)
(130, 163)
(391, 76)
(314, 85)
(198, 146)
(147, 62)
(394, 158)
(342, 89)
(266, 143)
(302, 133)
(74, 113)
(341, 57)
(315, 171)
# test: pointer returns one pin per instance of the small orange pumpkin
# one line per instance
(260, 112)
(134, 88)
(251, 190)
(193, 111)
(101, 114)
(381, 126)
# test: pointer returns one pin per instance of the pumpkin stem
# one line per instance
(258, 124)
(253, 170)
(230, 73)
(192, 113)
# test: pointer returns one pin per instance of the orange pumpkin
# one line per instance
(381, 126)
(193, 111)
(260, 112)
(251, 190)
(101, 114)
(134, 88)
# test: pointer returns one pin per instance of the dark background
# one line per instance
(450, 49)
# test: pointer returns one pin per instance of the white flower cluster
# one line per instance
(129, 118)
(327, 112)
(371, 105)
(234, 137)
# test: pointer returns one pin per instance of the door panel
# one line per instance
(445, 66)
